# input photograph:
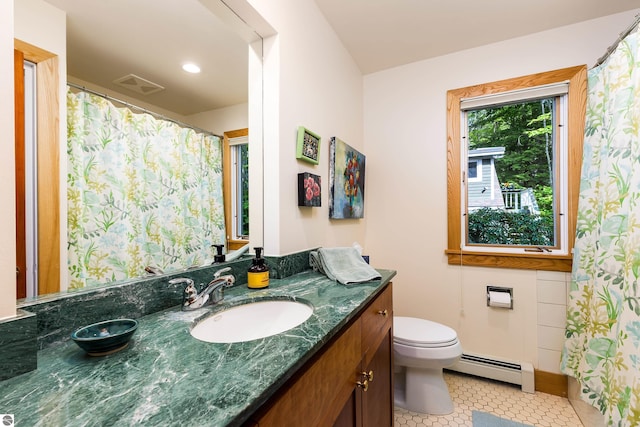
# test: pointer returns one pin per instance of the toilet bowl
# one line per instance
(422, 348)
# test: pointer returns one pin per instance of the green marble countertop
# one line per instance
(166, 377)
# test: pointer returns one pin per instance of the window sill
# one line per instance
(518, 261)
(233, 244)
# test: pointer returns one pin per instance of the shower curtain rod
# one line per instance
(144, 110)
(613, 47)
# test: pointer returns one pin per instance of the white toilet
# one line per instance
(421, 350)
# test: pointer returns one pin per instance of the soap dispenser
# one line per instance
(219, 257)
(258, 274)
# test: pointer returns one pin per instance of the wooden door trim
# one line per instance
(48, 152)
(21, 240)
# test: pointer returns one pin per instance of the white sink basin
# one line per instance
(252, 321)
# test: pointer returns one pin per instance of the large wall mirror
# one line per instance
(124, 49)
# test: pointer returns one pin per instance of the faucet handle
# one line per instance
(154, 271)
(190, 293)
(178, 280)
(219, 272)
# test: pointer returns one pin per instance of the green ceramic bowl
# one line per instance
(100, 339)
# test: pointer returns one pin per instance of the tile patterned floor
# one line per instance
(501, 399)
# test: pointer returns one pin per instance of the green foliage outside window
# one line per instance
(525, 130)
(494, 226)
(244, 166)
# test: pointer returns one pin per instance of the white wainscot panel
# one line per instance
(552, 292)
(552, 315)
(550, 338)
(549, 360)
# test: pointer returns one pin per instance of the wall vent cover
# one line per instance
(138, 84)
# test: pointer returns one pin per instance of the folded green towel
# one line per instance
(344, 265)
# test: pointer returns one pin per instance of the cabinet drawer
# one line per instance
(377, 319)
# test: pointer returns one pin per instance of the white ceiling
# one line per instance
(382, 34)
(107, 40)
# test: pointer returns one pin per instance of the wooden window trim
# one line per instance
(577, 98)
(231, 244)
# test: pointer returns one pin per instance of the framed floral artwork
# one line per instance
(309, 190)
(308, 147)
(346, 180)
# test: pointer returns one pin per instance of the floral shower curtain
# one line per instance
(602, 347)
(141, 192)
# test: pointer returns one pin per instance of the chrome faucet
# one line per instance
(213, 293)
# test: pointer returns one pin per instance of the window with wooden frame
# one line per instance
(235, 172)
(556, 101)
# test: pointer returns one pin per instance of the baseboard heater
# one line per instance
(520, 373)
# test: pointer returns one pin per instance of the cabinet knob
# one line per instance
(364, 385)
(384, 312)
(367, 375)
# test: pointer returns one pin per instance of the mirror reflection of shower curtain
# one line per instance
(602, 347)
(141, 191)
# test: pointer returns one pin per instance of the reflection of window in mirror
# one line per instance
(236, 187)
(513, 189)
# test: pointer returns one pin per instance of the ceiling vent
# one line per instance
(138, 84)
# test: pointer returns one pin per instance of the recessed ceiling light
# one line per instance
(191, 68)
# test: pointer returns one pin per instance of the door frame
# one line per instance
(48, 154)
(21, 238)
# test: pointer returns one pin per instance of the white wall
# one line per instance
(222, 120)
(405, 143)
(7, 168)
(311, 81)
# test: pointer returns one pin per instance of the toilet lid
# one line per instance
(422, 333)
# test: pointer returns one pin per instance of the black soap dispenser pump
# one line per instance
(258, 274)
(219, 257)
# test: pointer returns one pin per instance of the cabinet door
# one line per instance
(371, 403)
(350, 415)
(318, 396)
(377, 320)
(377, 400)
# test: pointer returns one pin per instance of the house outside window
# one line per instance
(483, 189)
(512, 150)
(474, 170)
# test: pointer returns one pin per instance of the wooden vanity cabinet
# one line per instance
(350, 383)
(377, 361)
